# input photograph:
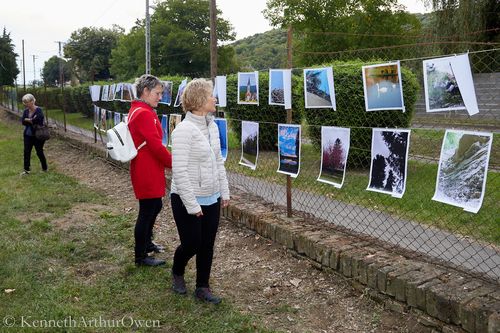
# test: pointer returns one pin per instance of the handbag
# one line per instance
(42, 132)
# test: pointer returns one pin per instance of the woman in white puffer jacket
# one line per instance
(199, 187)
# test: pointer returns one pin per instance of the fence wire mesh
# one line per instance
(414, 222)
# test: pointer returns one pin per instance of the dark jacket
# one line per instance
(37, 119)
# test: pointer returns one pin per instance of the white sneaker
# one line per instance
(25, 173)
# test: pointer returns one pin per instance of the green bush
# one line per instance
(351, 111)
(267, 115)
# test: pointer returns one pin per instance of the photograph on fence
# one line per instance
(280, 87)
(335, 143)
(95, 92)
(133, 91)
(382, 87)
(442, 92)
(249, 144)
(117, 118)
(166, 97)
(289, 149)
(105, 93)
(109, 119)
(319, 89)
(183, 84)
(127, 92)
(118, 93)
(389, 161)
(97, 116)
(111, 92)
(103, 125)
(220, 91)
(463, 166)
(248, 88)
(164, 130)
(173, 121)
(222, 125)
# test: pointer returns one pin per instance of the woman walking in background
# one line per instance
(147, 169)
(32, 116)
(199, 187)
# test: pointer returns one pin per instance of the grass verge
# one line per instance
(66, 263)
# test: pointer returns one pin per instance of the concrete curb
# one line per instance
(443, 299)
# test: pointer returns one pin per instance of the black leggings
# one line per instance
(143, 233)
(29, 142)
(197, 236)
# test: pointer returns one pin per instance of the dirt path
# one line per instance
(256, 276)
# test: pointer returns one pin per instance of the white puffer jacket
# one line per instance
(197, 169)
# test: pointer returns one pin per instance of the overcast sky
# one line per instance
(42, 23)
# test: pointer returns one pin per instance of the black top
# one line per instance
(36, 119)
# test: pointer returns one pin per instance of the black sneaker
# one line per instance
(178, 284)
(155, 248)
(205, 295)
(149, 261)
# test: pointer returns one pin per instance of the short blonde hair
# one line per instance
(196, 94)
(28, 98)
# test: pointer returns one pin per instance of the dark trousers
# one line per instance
(29, 142)
(197, 236)
(143, 232)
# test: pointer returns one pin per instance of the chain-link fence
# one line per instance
(414, 222)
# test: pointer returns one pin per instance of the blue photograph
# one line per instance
(179, 93)
(382, 86)
(289, 149)
(318, 88)
(117, 118)
(249, 144)
(166, 97)
(164, 130)
(248, 88)
(222, 125)
(276, 88)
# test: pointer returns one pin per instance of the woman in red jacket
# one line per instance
(147, 169)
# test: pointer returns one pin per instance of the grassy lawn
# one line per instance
(63, 269)
(75, 119)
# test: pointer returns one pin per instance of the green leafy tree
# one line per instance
(335, 25)
(90, 51)
(180, 41)
(8, 65)
(262, 51)
(50, 71)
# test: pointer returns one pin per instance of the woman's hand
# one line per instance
(199, 214)
(28, 120)
(225, 203)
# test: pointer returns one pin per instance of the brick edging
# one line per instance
(443, 299)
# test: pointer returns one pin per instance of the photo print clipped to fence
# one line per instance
(249, 144)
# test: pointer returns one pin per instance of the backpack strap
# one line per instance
(128, 122)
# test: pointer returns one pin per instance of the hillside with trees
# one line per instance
(262, 51)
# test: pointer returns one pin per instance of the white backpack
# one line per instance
(120, 145)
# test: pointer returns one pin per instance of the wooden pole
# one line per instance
(289, 121)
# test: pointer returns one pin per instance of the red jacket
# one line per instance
(147, 169)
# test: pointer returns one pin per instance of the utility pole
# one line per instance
(34, 70)
(148, 45)
(213, 39)
(24, 72)
(61, 81)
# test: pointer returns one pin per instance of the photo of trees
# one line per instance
(389, 161)
(463, 166)
(442, 92)
(335, 148)
(289, 149)
(118, 92)
(249, 144)
(127, 94)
